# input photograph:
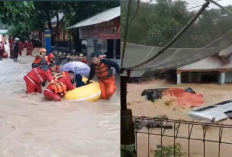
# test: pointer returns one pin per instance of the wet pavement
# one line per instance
(31, 126)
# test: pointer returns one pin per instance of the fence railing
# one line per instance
(163, 137)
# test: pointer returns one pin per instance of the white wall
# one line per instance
(207, 63)
(90, 49)
(228, 78)
(226, 51)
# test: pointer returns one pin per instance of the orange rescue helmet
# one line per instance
(43, 50)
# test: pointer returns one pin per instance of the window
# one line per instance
(101, 45)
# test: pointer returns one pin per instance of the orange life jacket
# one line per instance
(103, 71)
(65, 74)
(59, 87)
(36, 62)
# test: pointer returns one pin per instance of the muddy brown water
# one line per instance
(33, 127)
(212, 94)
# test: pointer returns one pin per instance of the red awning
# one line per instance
(105, 30)
(105, 25)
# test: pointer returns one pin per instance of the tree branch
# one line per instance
(58, 23)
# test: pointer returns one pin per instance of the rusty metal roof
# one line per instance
(99, 18)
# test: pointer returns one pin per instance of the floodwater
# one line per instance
(33, 127)
(212, 94)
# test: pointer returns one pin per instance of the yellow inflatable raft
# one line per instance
(90, 92)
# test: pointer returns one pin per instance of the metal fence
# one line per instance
(163, 137)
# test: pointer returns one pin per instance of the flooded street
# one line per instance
(33, 127)
(212, 93)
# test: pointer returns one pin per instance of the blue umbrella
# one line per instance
(77, 67)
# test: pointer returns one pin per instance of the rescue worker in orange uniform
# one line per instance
(11, 42)
(63, 83)
(2, 49)
(3, 53)
(43, 53)
(36, 77)
(50, 59)
(37, 61)
(2, 45)
(20, 48)
(103, 69)
(40, 59)
(46, 60)
(52, 68)
(29, 47)
(26, 46)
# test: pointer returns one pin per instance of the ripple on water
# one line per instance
(34, 127)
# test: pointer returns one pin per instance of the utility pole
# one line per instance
(127, 125)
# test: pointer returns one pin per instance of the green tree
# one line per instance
(32, 15)
(157, 23)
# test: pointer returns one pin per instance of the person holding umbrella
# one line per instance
(77, 67)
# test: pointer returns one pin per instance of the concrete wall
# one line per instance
(226, 51)
(207, 63)
(228, 78)
(90, 49)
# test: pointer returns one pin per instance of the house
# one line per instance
(212, 63)
(214, 69)
(102, 33)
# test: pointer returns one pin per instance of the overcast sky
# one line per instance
(193, 3)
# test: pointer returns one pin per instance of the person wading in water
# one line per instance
(16, 49)
(103, 69)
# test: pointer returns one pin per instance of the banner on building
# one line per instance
(105, 30)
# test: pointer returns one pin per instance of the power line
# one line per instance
(199, 6)
(194, 7)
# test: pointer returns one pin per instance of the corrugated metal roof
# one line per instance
(99, 18)
(3, 31)
(173, 57)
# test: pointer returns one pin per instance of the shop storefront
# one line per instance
(102, 33)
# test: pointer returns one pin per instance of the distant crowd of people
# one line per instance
(16, 48)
